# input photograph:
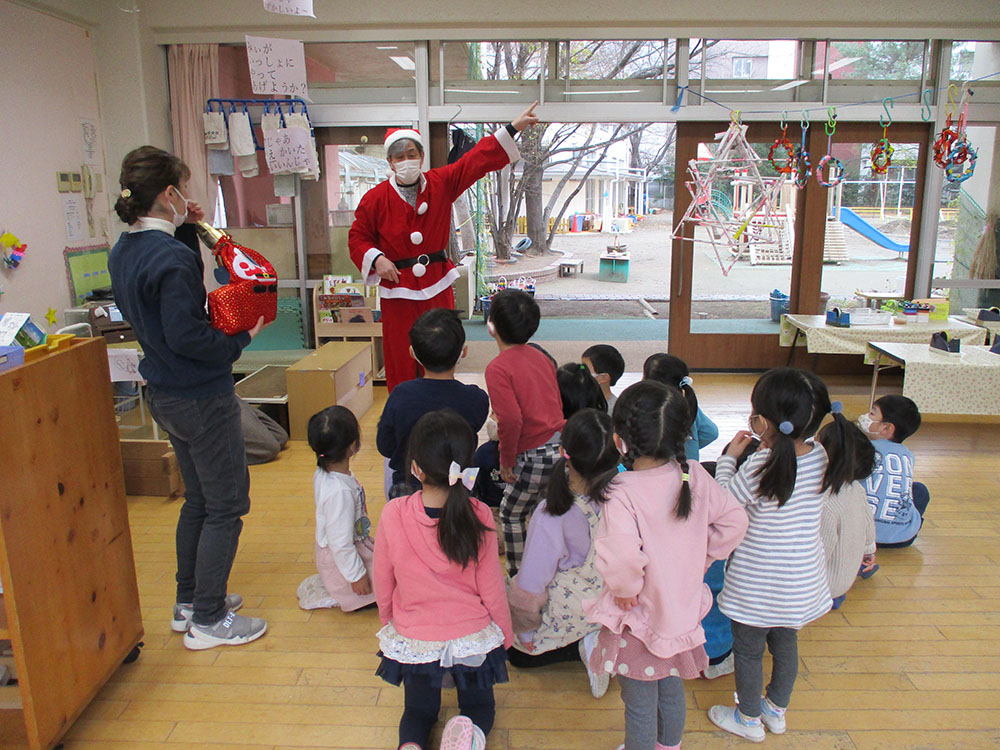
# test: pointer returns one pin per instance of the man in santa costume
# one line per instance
(400, 232)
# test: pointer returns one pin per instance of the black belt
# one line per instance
(425, 258)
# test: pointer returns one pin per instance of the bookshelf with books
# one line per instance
(340, 314)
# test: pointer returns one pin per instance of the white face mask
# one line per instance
(865, 423)
(178, 219)
(407, 171)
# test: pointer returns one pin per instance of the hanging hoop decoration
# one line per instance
(942, 146)
(13, 250)
(782, 153)
(837, 170)
(882, 156)
(959, 170)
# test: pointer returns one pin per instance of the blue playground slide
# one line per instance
(862, 227)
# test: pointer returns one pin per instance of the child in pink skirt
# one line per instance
(666, 520)
(343, 546)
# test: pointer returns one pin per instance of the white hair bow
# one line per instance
(468, 476)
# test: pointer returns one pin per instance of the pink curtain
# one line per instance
(194, 78)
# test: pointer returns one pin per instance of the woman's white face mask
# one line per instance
(407, 171)
(178, 219)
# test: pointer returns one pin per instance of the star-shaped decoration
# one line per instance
(51, 316)
(735, 204)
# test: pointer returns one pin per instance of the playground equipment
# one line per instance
(866, 230)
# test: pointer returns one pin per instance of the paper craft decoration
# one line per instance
(753, 224)
(838, 318)
(124, 365)
(277, 66)
(290, 7)
(288, 150)
(941, 342)
(86, 270)
(252, 290)
(13, 250)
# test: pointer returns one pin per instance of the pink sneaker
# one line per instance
(461, 734)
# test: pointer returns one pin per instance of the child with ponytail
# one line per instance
(439, 590)
(673, 371)
(558, 569)
(776, 579)
(665, 522)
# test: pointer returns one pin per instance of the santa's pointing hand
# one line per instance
(526, 119)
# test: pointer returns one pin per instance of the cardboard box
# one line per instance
(11, 356)
(151, 468)
(339, 372)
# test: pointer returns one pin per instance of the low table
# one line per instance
(939, 383)
(570, 267)
(819, 338)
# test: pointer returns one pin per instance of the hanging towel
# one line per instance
(216, 136)
(248, 165)
(241, 141)
(284, 185)
(220, 162)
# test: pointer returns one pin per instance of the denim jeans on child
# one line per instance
(748, 652)
(207, 439)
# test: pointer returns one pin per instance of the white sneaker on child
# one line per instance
(773, 716)
(598, 681)
(724, 667)
(729, 719)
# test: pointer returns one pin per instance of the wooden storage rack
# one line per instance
(70, 603)
(370, 332)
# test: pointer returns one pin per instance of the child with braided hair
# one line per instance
(666, 520)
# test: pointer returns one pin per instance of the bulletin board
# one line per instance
(86, 270)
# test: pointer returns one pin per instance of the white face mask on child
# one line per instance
(865, 423)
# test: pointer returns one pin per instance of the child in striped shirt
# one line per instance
(776, 579)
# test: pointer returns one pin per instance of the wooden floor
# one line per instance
(910, 661)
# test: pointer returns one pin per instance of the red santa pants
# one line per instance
(398, 316)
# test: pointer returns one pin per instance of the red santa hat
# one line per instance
(397, 134)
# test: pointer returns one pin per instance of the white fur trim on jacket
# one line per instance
(367, 272)
(402, 292)
(509, 144)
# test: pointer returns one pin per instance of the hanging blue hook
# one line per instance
(784, 119)
(925, 105)
(804, 122)
(886, 121)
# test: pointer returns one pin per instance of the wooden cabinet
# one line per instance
(70, 602)
(370, 332)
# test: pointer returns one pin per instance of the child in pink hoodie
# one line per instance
(439, 588)
(665, 522)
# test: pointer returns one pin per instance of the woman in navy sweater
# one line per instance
(156, 276)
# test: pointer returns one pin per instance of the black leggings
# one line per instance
(422, 703)
(559, 655)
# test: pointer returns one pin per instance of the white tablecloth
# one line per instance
(963, 383)
(823, 339)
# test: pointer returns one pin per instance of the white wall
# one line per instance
(48, 77)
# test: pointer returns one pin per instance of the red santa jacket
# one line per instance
(385, 223)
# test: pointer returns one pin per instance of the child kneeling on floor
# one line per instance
(439, 588)
(343, 546)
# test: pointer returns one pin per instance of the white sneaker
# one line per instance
(599, 681)
(183, 613)
(773, 716)
(729, 719)
(724, 667)
(231, 630)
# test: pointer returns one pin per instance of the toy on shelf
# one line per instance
(753, 224)
(836, 173)
(881, 155)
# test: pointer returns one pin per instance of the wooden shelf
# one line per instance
(4, 629)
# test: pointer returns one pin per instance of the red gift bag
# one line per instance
(252, 290)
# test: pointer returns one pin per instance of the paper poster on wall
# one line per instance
(75, 218)
(277, 66)
(88, 134)
(290, 7)
(86, 270)
(288, 149)
(124, 365)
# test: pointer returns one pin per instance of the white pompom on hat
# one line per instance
(397, 134)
